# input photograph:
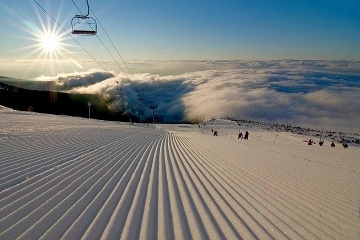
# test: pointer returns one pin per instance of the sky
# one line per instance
(183, 30)
(290, 61)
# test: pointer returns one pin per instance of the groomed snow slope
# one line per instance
(73, 178)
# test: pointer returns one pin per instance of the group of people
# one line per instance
(310, 142)
(241, 136)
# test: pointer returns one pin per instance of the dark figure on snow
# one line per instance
(345, 145)
(332, 144)
(215, 133)
(240, 135)
(310, 142)
(321, 143)
(246, 137)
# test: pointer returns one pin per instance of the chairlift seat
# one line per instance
(84, 32)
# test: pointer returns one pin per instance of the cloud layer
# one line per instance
(318, 94)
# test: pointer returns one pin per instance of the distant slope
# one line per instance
(56, 103)
(29, 84)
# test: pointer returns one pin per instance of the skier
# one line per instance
(246, 137)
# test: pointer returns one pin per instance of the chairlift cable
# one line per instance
(127, 67)
(105, 45)
(141, 96)
(87, 2)
(76, 6)
(62, 28)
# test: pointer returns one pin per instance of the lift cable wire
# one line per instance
(105, 46)
(113, 44)
(141, 94)
(62, 28)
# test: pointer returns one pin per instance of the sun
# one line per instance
(48, 45)
(50, 42)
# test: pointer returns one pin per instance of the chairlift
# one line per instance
(141, 96)
(83, 24)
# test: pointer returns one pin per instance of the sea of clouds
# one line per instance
(315, 94)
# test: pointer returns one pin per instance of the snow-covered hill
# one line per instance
(73, 178)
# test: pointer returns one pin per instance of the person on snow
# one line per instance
(310, 142)
(332, 144)
(246, 137)
(240, 135)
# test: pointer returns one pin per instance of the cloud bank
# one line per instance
(69, 81)
(316, 94)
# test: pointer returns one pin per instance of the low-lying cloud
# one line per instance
(68, 81)
(317, 94)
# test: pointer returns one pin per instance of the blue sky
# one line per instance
(197, 29)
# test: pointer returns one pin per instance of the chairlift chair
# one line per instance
(91, 30)
(79, 21)
(141, 96)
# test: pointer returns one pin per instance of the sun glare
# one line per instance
(50, 42)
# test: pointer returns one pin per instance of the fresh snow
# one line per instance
(71, 178)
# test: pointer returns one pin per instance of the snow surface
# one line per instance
(73, 178)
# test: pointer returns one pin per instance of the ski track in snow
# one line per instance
(71, 178)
